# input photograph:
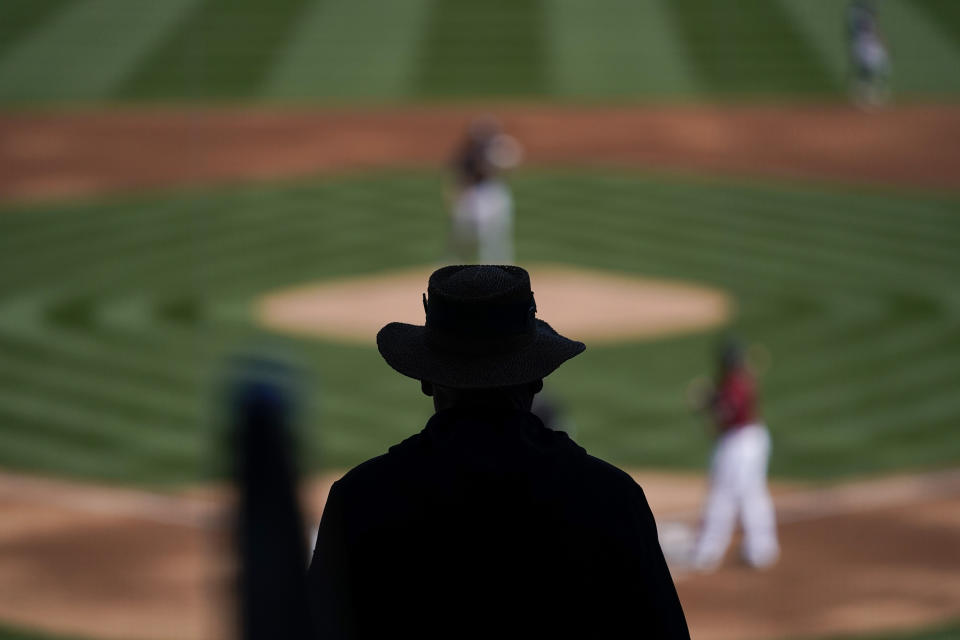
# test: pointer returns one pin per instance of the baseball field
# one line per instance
(187, 183)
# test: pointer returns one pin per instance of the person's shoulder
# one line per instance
(379, 469)
(614, 500)
(602, 473)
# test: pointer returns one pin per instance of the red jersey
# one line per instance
(734, 401)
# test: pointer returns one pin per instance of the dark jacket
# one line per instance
(490, 525)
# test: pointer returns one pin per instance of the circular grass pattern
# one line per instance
(119, 318)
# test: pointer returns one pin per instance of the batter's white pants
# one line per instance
(483, 218)
(738, 487)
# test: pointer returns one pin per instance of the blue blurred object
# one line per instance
(269, 532)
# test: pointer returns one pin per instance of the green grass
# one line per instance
(85, 50)
(496, 47)
(358, 50)
(224, 49)
(19, 17)
(11, 633)
(940, 632)
(119, 318)
(619, 49)
(96, 51)
(748, 47)
(945, 13)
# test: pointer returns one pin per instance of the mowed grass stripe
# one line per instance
(702, 240)
(37, 224)
(807, 221)
(872, 212)
(888, 425)
(84, 215)
(747, 213)
(615, 48)
(899, 438)
(243, 262)
(875, 213)
(758, 224)
(733, 223)
(343, 49)
(27, 447)
(924, 48)
(822, 24)
(111, 395)
(223, 49)
(891, 385)
(886, 338)
(944, 13)
(67, 417)
(151, 241)
(87, 354)
(823, 327)
(199, 265)
(861, 204)
(806, 369)
(752, 214)
(748, 46)
(85, 50)
(918, 392)
(19, 17)
(492, 48)
(182, 238)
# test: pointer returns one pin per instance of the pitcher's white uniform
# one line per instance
(738, 478)
(483, 221)
(482, 225)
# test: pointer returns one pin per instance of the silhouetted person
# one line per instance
(271, 548)
(486, 523)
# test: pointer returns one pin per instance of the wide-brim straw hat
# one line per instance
(481, 331)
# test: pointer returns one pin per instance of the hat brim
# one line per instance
(405, 348)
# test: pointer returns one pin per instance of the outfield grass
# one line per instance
(117, 316)
(340, 50)
(752, 47)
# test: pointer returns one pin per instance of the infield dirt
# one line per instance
(115, 563)
(68, 154)
(594, 305)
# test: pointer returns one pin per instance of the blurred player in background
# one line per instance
(552, 413)
(482, 225)
(738, 470)
(868, 55)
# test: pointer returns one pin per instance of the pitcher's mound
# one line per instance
(579, 303)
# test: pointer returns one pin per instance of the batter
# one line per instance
(738, 471)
